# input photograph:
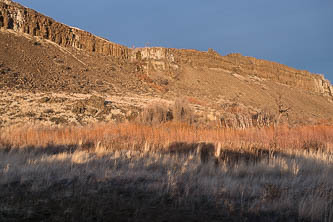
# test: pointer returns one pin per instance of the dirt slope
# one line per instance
(40, 57)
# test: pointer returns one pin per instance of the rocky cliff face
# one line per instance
(157, 59)
(280, 73)
(171, 60)
(23, 20)
(15, 17)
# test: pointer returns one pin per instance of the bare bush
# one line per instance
(160, 112)
(156, 113)
(182, 111)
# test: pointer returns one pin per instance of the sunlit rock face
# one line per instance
(15, 17)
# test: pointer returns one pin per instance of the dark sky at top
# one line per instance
(298, 33)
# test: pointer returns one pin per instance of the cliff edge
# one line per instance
(14, 16)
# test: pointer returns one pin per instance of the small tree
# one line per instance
(282, 109)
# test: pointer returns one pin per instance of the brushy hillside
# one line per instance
(41, 55)
(169, 171)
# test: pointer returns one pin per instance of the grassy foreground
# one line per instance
(168, 172)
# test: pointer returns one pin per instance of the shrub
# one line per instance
(160, 112)
(156, 113)
(182, 112)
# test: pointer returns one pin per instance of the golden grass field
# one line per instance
(274, 173)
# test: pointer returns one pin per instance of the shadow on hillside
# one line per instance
(119, 202)
(231, 157)
(49, 149)
(208, 151)
(205, 151)
(128, 198)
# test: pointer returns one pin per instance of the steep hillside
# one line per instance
(20, 19)
(40, 58)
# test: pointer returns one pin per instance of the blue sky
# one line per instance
(298, 33)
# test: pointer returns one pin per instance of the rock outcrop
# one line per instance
(302, 79)
(171, 60)
(155, 59)
(15, 17)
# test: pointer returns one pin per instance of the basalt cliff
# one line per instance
(42, 58)
(20, 19)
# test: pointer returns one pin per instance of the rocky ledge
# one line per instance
(14, 16)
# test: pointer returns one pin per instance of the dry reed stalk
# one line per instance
(282, 137)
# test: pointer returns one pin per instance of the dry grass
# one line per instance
(295, 181)
(196, 101)
(278, 138)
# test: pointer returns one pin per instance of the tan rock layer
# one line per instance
(280, 73)
(20, 19)
(245, 66)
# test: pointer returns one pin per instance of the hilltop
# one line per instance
(52, 73)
